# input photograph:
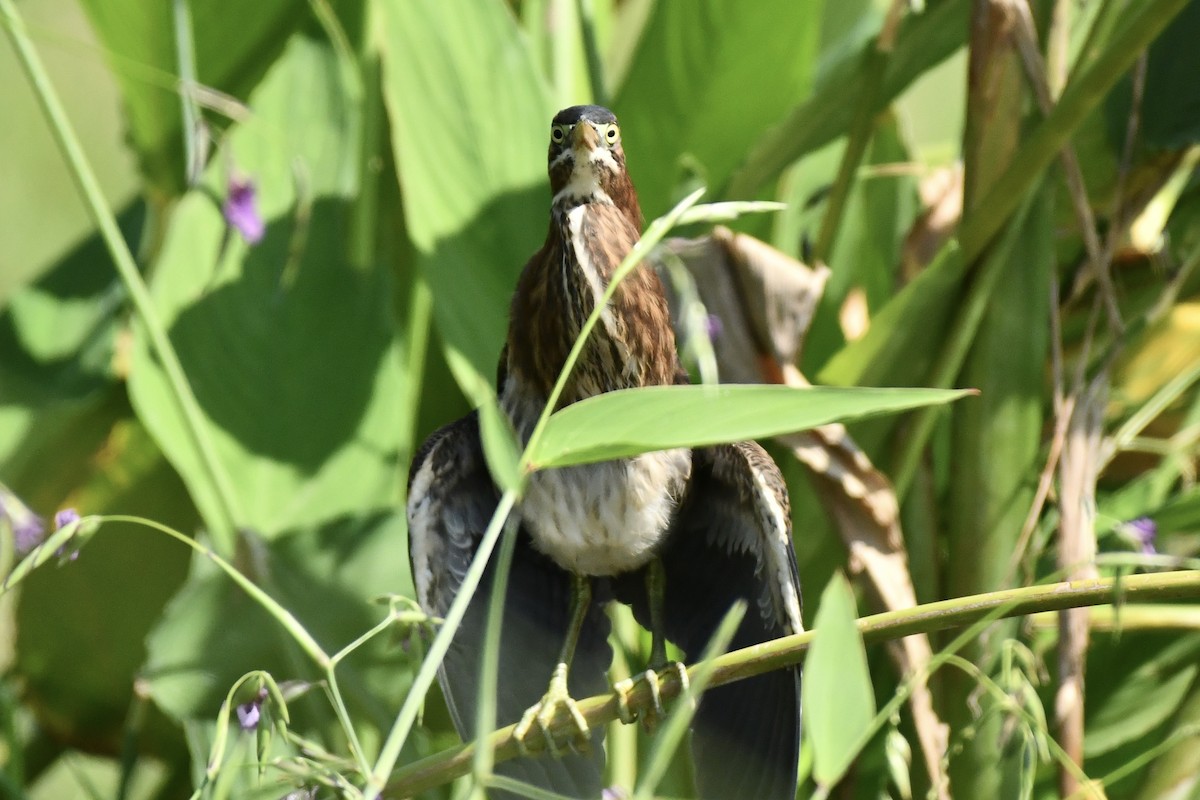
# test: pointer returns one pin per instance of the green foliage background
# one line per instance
(398, 151)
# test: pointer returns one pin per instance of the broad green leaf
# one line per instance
(706, 80)
(289, 344)
(1144, 698)
(924, 40)
(470, 120)
(59, 396)
(140, 42)
(996, 441)
(837, 698)
(631, 421)
(75, 774)
(58, 335)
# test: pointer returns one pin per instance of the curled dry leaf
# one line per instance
(765, 302)
(941, 196)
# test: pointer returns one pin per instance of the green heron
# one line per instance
(678, 535)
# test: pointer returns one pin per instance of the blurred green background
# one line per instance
(397, 154)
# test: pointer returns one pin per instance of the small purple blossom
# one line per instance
(1141, 532)
(614, 793)
(65, 517)
(713, 327)
(28, 534)
(28, 529)
(249, 714)
(241, 210)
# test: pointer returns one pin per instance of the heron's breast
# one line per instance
(605, 518)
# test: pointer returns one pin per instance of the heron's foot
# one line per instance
(543, 713)
(651, 716)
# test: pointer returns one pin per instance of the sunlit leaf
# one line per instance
(470, 118)
(706, 80)
(213, 633)
(288, 345)
(140, 42)
(624, 423)
(838, 700)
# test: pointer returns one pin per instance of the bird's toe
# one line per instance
(543, 714)
(653, 714)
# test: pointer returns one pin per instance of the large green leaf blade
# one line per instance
(140, 40)
(838, 701)
(288, 345)
(706, 80)
(631, 421)
(470, 116)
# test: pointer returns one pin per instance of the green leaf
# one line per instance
(288, 345)
(213, 633)
(837, 698)
(57, 336)
(1170, 112)
(995, 444)
(75, 774)
(470, 118)
(59, 396)
(866, 256)
(923, 41)
(140, 42)
(706, 80)
(1145, 698)
(896, 348)
(631, 421)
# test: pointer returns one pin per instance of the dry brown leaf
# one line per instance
(941, 196)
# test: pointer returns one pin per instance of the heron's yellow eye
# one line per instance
(558, 133)
(611, 134)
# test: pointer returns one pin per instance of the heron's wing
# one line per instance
(451, 501)
(732, 541)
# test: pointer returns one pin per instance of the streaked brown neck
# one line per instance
(632, 345)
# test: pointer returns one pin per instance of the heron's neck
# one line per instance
(631, 345)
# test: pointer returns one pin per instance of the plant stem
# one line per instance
(223, 526)
(1081, 96)
(756, 660)
(268, 603)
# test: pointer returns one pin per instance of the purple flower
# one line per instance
(614, 793)
(1141, 532)
(713, 327)
(28, 534)
(65, 517)
(241, 210)
(28, 529)
(249, 714)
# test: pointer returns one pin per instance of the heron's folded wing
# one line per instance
(451, 500)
